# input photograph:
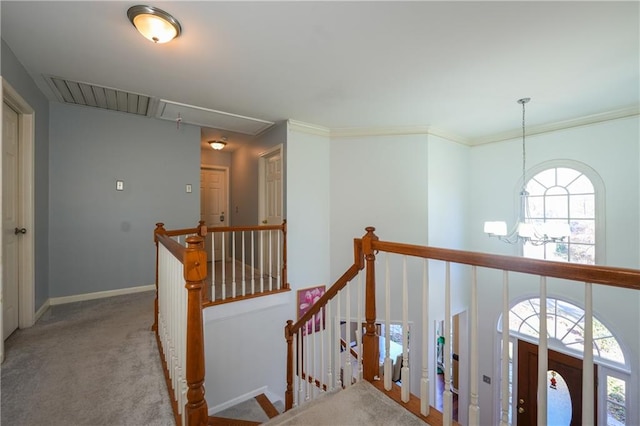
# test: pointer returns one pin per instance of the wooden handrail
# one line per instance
(343, 344)
(595, 274)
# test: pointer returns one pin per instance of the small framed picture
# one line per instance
(306, 298)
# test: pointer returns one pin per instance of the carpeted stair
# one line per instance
(254, 411)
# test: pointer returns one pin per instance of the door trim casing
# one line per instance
(27, 201)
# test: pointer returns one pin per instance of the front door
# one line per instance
(213, 206)
(10, 217)
(564, 387)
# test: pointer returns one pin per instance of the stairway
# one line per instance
(254, 411)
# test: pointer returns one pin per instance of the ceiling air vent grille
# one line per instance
(74, 92)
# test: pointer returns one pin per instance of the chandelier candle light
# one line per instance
(533, 233)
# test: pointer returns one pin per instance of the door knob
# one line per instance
(264, 222)
(520, 410)
(20, 231)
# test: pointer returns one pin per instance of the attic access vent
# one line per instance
(74, 92)
(204, 117)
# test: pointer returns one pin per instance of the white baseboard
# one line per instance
(42, 310)
(99, 294)
(237, 400)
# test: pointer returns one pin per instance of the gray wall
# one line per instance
(244, 175)
(19, 79)
(102, 239)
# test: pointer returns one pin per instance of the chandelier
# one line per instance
(524, 230)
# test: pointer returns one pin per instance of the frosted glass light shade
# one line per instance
(154, 24)
(526, 230)
(495, 228)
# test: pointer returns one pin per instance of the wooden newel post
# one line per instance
(159, 230)
(195, 271)
(371, 349)
(202, 228)
(288, 395)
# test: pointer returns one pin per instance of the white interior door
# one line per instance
(10, 218)
(213, 205)
(271, 205)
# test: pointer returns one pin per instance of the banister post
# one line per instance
(195, 271)
(202, 228)
(371, 349)
(285, 283)
(288, 394)
(159, 230)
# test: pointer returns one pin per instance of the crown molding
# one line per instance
(308, 128)
(559, 125)
(354, 132)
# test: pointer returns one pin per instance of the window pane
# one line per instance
(536, 207)
(610, 349)
(556, 206)
(534, 188)
(582, 185)
(547, 178)
(583, 231)
(616, 401)
(582, 206)
(557, 251)
(582, 253)
(559, 407)
(566, 176)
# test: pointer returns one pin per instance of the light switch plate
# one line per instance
(188, 188)
(119, 185)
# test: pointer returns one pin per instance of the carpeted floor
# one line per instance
(86, 363)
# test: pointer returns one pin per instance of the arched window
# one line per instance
(566, 192)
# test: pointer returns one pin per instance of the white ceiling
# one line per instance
(457, 67)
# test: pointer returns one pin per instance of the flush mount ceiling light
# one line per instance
(154, 24)
(218, 145)
(524, 230)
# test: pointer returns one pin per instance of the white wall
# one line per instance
(245, 348)
(611, 149)
(308, 202)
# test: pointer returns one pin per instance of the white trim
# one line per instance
(308, 128)
(559, 125)
(42, 310)
(100, 294)
(237, 400)
(314, 129)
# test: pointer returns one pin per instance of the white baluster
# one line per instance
(359, 322)
(474, 409)
(253, 263)
(405, 391)
(330, 384)
(233, 264)
(212, 272)
(300, 342)
(270, 261)
(588, 379)
(262, 261)
(504, 362)
(224, 267)
(348, 368)
(244, 289)
(339, 370)
(312, 355)
(279, 259)
(447, 397)
(424, 381)
(388, 366)
(543, 356)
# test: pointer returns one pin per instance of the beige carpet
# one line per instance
(86, 363)
(359, 405)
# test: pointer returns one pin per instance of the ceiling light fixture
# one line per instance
(537, 232)
(154, 24)
(218, 145)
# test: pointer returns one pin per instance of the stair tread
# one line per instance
(267, 406)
